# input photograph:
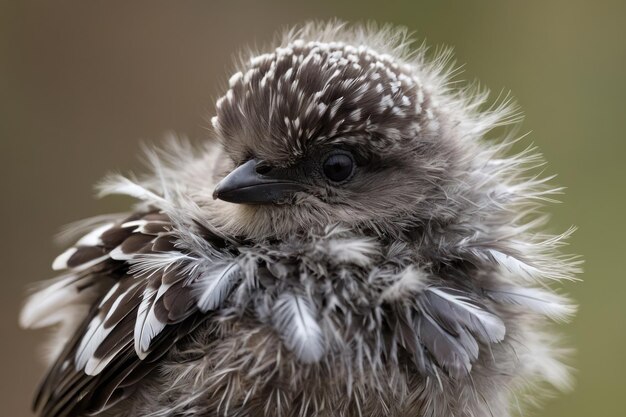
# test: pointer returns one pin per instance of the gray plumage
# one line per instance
(378, 256)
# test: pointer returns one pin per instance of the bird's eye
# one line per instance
(338, 167)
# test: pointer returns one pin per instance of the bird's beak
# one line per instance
(247, 185)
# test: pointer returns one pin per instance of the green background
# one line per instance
(83, 82)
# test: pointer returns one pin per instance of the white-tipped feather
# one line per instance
(147, 325)
(137, 224)
(60, 262)
(294, 319)
(97, 332)
(93, 238)
(119, 255)
(94, 336)
(95, 365)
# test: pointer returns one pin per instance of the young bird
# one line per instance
(350, 245)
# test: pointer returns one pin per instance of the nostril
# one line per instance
(262, 168)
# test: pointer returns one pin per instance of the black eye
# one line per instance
(338, 167)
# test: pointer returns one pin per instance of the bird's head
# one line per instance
(323, 131)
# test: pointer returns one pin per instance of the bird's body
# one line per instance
(370, 254)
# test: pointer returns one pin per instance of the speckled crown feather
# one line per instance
(322, 90)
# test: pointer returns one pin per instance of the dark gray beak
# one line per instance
(256, 183)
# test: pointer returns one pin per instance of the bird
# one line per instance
(355, 238)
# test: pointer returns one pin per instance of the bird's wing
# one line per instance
(143, 289)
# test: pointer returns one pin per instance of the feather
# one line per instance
(85, 257)
(46, 307)
(294, 319)
(516, 266)
(73, 231)
(355, 251)
(147, 325)
(93, 337)
(93, 238)
(408, 282)
(448, 350)
(216, 286)
(149, 263)
(406, 335)
(60, 262)
(131, 305)
(135, 224)
(113, 308)
(536, 300)
(118, 254)
(455, 307)
(111, 346)
(449, 324)
(118, 184)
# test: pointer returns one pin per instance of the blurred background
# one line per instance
(82, 83)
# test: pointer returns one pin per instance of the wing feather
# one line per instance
(145, 294)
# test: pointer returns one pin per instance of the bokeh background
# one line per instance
(82, 83)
